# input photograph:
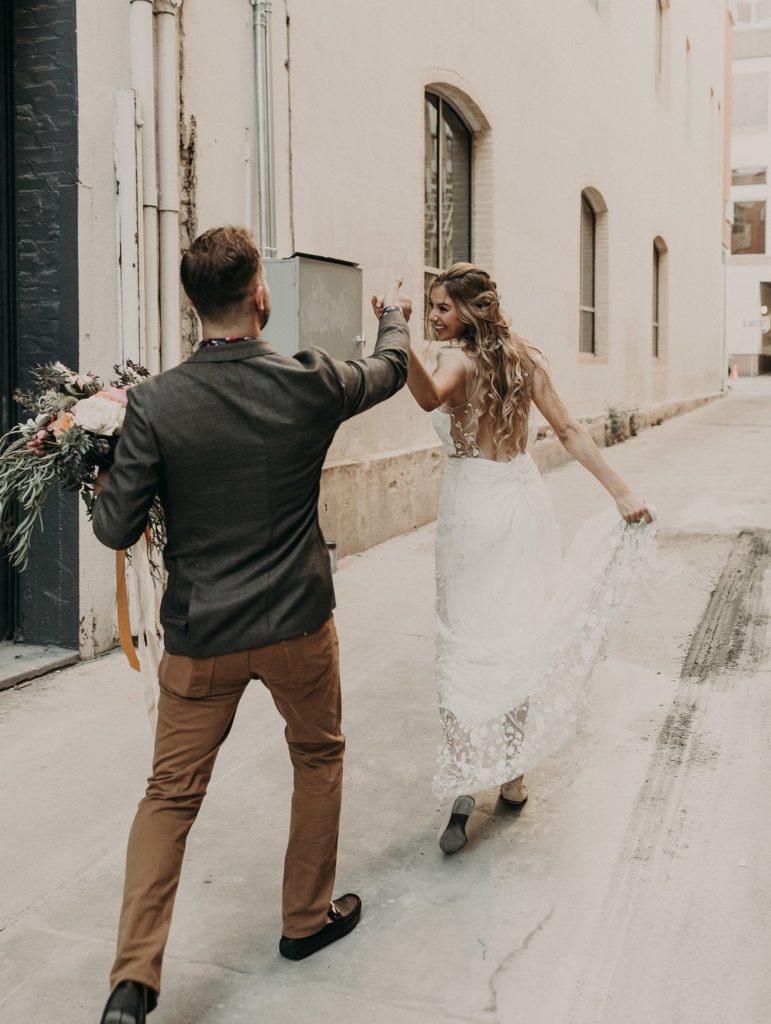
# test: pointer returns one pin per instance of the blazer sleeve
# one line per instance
(366, 382)
(121, 510)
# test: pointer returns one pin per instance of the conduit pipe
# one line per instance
(143, 83)
(266, 214)
(168, 177)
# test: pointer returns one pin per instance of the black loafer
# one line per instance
(454, 836)
(129, 1003)
(343, 914)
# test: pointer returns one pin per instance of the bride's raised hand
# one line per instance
(633, 508)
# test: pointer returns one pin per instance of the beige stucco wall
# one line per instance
(103, 67)
(572, 100)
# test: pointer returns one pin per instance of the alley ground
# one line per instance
(635, 886)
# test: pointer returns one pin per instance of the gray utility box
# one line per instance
(316, 303)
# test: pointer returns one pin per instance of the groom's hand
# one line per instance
(101, 480)
(393, 297)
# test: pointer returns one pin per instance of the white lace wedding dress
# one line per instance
(519, 629)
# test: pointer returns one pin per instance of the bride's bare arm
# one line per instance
(446, 385)
(577, 440)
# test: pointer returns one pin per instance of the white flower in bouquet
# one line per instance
(99, 414)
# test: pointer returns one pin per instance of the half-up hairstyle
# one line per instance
(504, 358)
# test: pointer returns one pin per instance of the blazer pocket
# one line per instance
(186, 677)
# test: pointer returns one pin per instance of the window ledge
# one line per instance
(749, 259)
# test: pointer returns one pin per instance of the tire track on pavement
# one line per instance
(731, 637)
(732, 630)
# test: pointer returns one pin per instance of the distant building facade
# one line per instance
(579, 157)
(748, 273)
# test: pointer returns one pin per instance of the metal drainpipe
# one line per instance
(261, 25)
(168, 177)
(143, 83)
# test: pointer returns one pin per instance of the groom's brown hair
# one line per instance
(219, 270)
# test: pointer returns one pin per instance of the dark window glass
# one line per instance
(447, 185)
(659, 37)
(588, 274)
(431, 173)
(656, 297)
(748, 232)
(748, 176)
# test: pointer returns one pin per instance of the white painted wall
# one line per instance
(103, 67)
(573, 100)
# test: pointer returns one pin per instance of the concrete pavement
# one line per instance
(635, 885)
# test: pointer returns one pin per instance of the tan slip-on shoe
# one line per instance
(514, 792)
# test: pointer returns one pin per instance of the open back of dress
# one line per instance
(471, 426)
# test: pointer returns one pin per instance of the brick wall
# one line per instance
(45, 88)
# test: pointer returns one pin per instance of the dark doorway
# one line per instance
(39, 283)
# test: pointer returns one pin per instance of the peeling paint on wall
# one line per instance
(188, 204)
(188, 223)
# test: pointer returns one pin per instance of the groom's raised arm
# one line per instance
(365, 382)
(359, 384)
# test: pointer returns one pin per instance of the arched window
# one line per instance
(661, 6)
(587, 305)
(448, 156)
(593, 275)
(659, 296)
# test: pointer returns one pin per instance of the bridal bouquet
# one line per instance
(71, 434)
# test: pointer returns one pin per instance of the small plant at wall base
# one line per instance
(71, 434)
(621, 423)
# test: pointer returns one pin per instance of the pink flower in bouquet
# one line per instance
(99, 414)
(64, 421)
(114, 394)
(37, 442)
(82, 380)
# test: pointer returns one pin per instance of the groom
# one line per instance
(233, 442)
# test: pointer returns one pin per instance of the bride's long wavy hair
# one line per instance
(503, 357)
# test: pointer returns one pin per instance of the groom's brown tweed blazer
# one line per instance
(233, 441)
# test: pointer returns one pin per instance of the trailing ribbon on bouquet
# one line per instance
(124, 621)
(138, 591)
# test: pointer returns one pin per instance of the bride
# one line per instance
(518, 628)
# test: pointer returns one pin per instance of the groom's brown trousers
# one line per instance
(198, 702)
